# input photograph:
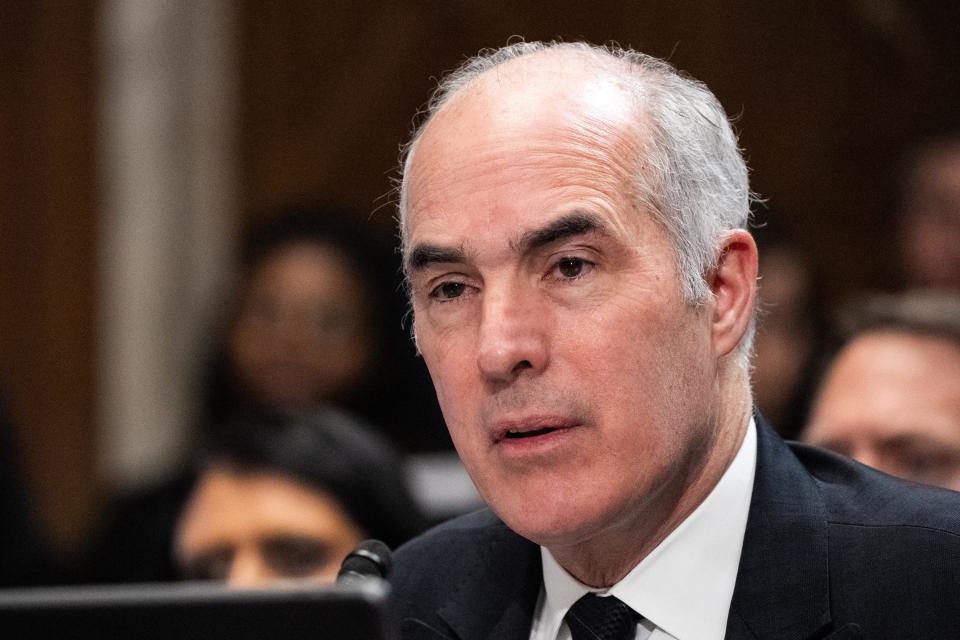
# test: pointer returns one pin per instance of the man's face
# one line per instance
(892, 401)
(576, 383)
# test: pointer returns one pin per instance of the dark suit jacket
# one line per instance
(833, 550)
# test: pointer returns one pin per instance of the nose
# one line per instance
(869, 456)
(514, 336)
(248, 571)
(294, 330)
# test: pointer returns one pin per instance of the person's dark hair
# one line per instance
(313, 223)
(920, 312)
(327, 450)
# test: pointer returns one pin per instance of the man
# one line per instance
(572, 221)
(891, 397)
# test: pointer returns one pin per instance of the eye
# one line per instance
(929, 466)
(212, 564)
(296, 556)
(448, 291)
(262, 311)
(573, 268)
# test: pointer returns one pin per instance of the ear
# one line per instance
(734, 287)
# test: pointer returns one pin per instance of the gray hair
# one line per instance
(692, 177)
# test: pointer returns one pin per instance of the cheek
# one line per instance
(460, 390)
(643, 368)
(446, 341)
(453, 377)
(461, 412)
(636, 345)
(327, 575)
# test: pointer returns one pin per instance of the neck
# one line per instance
(605, 559)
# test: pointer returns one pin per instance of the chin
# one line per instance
(553, 523)
(558, 533)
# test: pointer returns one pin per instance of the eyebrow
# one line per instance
(573, 224)
(905, 441)
(424, 255)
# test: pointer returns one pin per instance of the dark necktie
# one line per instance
(596, 618)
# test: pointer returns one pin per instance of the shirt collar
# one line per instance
(685, 585)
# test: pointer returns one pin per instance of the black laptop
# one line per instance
(204, 611)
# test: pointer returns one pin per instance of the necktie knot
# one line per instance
(593, 617)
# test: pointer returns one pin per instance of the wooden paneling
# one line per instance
(47, 238)
(827, 95)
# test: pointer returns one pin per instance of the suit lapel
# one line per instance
(498, 600)
(495, 598)
(782, 588)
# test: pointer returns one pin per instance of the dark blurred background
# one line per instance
(313, 99)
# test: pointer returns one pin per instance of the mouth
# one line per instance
(530, 428)
(513, 435)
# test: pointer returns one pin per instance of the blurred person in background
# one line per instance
(305, 329)
(891, 396)
(313, 325)
(790, 328)
(929, 235)
(316, 322)
(282, 498)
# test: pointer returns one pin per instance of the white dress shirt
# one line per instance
(684, 586)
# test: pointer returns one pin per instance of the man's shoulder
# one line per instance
(831, 543)
(455, 537)
(893, 548)
(452, 550)
(858, 496)
(471, 569)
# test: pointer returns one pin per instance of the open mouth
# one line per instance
(531, 427)
(529, 434)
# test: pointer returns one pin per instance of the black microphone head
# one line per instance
(371, 558)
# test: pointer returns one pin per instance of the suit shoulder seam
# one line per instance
(869, 525)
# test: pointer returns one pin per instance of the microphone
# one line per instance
(371, 559)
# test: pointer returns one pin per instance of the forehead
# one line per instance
(891, 379)
(516, 133)
(903, 356)
(228, 504)
(941, 165)
(305, 264)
